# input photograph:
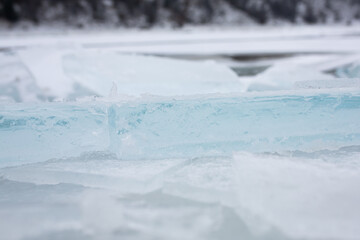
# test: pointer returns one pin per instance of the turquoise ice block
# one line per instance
(169, 128)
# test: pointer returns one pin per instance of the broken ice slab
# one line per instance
(16, 82)
(67, 211)
(187, 127)
(138, 74)
(72, 73)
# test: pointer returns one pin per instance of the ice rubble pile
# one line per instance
(184, 122)
(164, 167)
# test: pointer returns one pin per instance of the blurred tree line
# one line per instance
(147, 13)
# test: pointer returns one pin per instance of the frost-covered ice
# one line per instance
(97, 143)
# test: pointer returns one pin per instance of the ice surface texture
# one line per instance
(163, 128)
(247, 196)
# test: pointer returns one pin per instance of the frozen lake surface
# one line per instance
(245, 134)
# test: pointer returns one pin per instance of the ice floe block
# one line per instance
(170, 128)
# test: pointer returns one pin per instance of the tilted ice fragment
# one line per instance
(16, 82)
(136, 75)
(45, 66)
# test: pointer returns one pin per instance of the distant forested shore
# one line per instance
(177, 13)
